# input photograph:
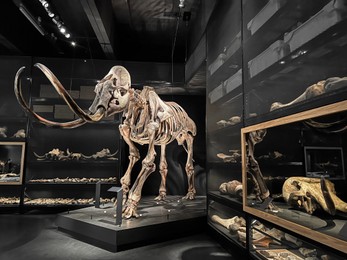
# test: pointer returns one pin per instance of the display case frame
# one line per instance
(260, 212)
(16, 150)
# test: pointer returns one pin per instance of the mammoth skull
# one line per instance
(312, 193)
(112, 92)
(111, 97)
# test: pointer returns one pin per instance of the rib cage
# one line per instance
(179, 123)
(176, 124)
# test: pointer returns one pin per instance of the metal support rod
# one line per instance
(119, 207)
(97, 194)
(119, 203)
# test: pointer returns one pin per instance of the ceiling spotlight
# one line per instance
(44, 3)
(55, 18)
(62, 29)
(73, 44)
(181, 4)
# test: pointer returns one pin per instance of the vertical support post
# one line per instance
(119, 207)
(249, 226)
(119, 203)
(97, 194)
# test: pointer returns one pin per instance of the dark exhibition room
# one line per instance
(173, 129)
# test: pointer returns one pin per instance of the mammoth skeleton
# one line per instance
(147, 120)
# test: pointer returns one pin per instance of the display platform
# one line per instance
(158, 221)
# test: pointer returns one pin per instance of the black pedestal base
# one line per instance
(158, 221)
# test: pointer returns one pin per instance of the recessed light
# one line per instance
(73, 44)
(62, 29)
(67, 35)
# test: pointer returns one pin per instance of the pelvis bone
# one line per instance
(312, 193)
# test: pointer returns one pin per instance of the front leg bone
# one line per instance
(148, 166)
(189, 165)
(253, 168)
(130, 209)
(163, 173)
(134, 156)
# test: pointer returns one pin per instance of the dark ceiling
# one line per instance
(132, 30)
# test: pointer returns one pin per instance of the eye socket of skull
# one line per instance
(122, 91)
(115, 81)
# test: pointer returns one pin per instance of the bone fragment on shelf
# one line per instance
(233, 158)
(315, 90)
(233, 187)
(19, 134)
(232, 224)
(3, 130)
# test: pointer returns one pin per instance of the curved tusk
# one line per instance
(19, 95)
(66, 96)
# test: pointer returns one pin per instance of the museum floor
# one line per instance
(35, 236)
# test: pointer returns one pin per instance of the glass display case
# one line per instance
(13, 131)
(228, 222)
(293, 173)
(11, 174)
(68, 163)
(294, 53)
(11, 162)
(266, 75)
(64, 165)
(295, 85)
(269, 242)
(224, 115)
